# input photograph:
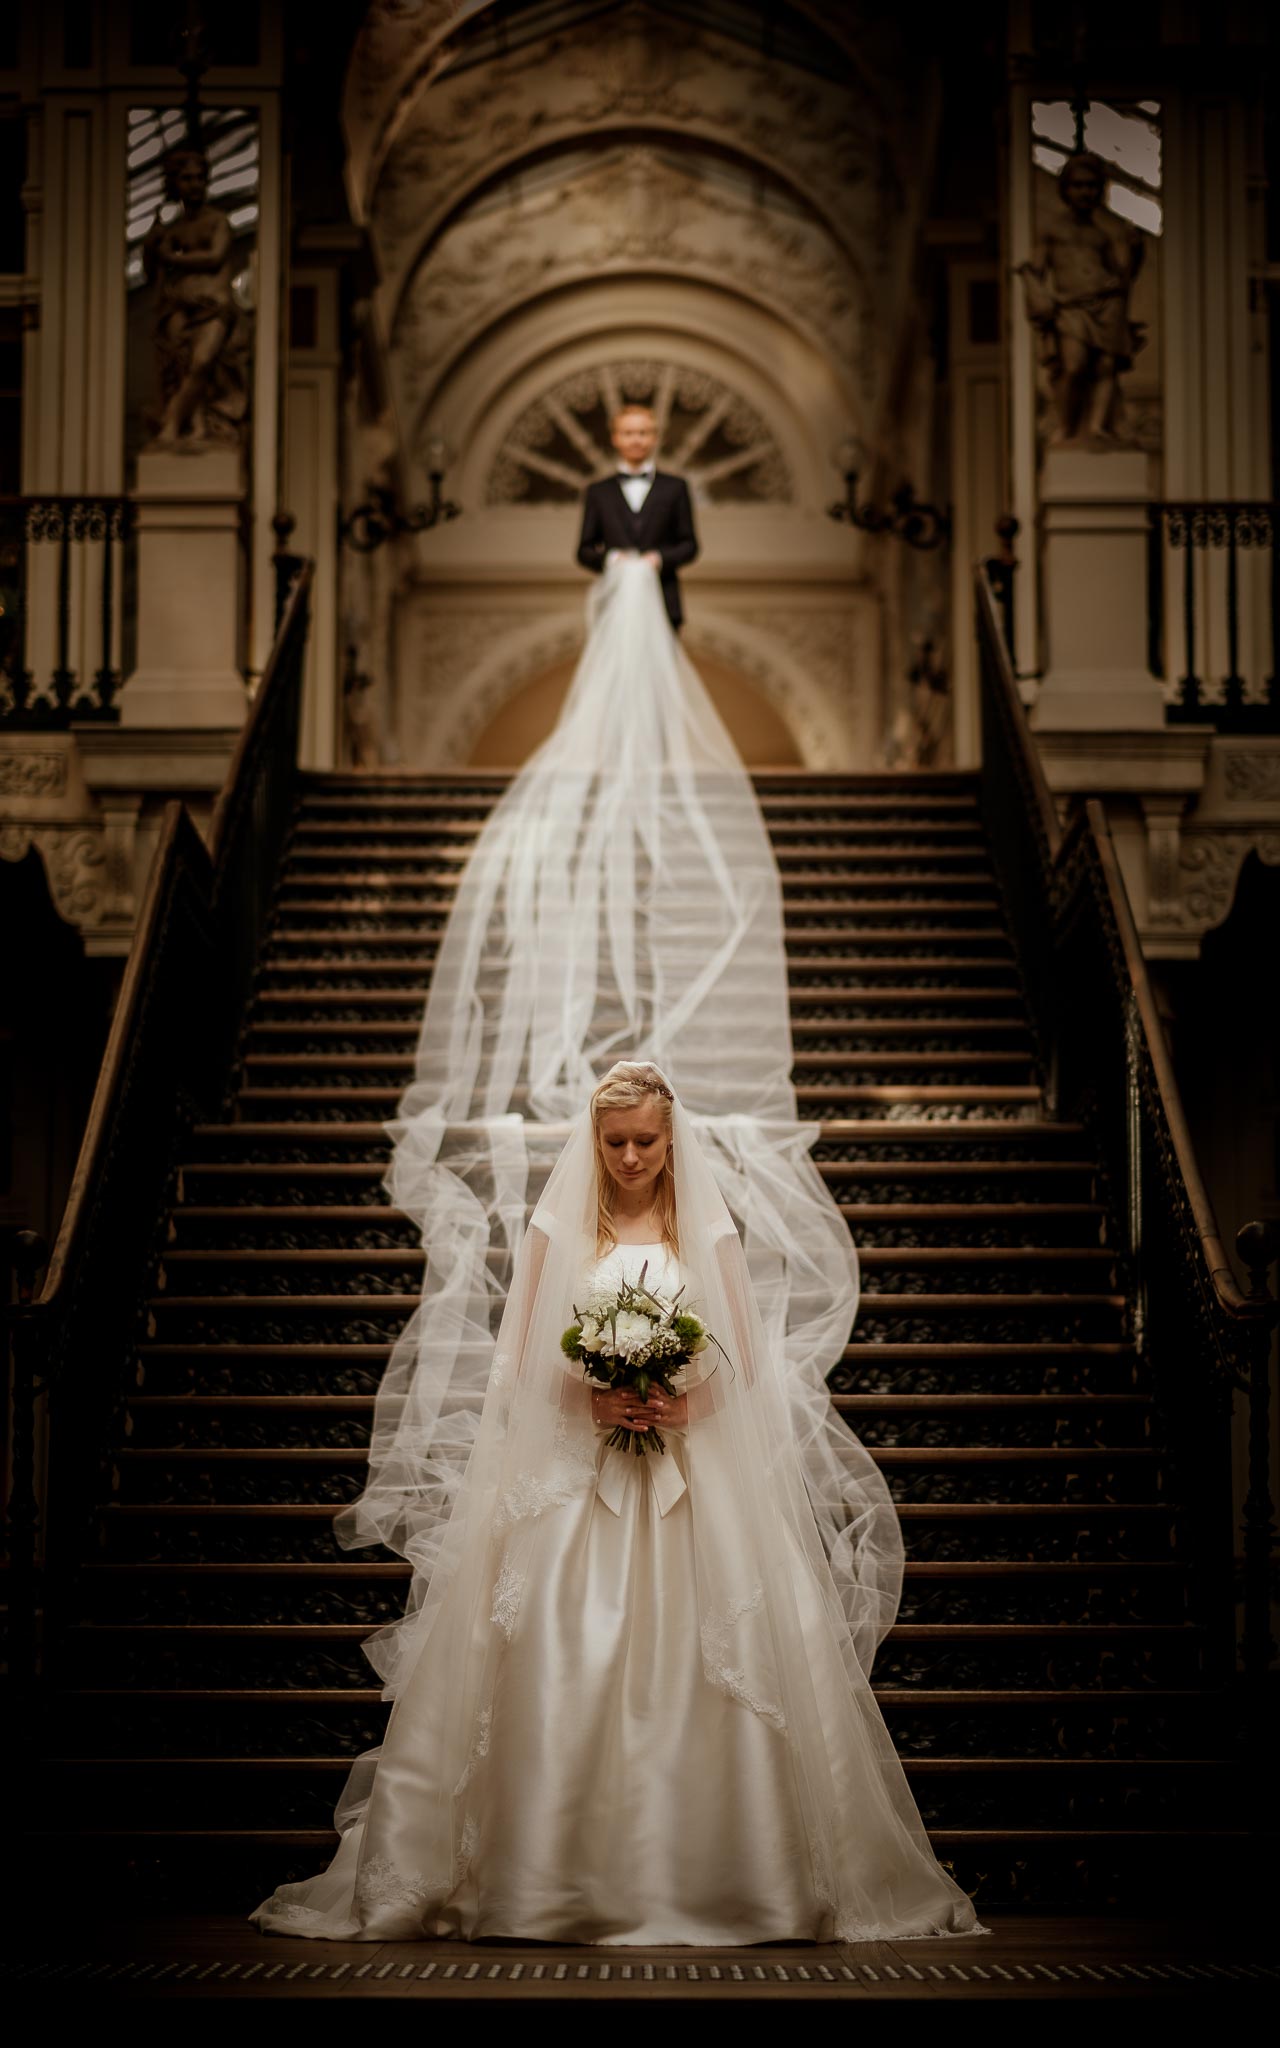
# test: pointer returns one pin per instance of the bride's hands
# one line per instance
(613, 1405)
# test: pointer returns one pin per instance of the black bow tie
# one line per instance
(636, 472)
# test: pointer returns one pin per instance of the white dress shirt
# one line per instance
(635, 483)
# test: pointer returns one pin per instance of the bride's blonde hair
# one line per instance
(627, 1086)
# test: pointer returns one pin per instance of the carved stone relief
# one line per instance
(1209, 867)
(1251, 778)
(34, 774)
(74, 863)
(477, 661)
(608, 215)
(828, 136)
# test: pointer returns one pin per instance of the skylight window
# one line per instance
(1126, 138)
(230, 137)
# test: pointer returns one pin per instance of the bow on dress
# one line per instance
(619, 1467)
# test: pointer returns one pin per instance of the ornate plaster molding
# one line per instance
(632, 208)
(39, 772)
(446, 135)
(1251, 777)
(74, 862)
(1209, 866)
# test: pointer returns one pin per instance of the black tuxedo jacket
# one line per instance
(663, 525)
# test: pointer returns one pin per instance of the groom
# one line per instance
(640, 510)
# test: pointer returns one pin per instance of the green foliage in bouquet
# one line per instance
(630, 1337)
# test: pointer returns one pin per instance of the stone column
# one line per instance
(1093, 520)
(190, 585)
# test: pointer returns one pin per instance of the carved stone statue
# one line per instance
(1078, 285)
(202, 338)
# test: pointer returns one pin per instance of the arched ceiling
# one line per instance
(404, 45)
(507, 153)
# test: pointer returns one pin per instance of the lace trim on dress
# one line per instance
(379, 1883)
(507, 1589)
(479, 1750)
(573, 1467)
(732, 1678)
(284, 1909)
(466, 1847)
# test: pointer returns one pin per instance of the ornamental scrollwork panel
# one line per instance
(33, 774)
(1209, 866)
(74, 862)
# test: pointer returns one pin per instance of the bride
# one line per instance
(632, 1697)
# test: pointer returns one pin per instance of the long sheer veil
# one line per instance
(622, 900)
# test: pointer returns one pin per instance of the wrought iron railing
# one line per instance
(61, 571)
(1213, 594)
(1105, 1052)
(1021, 819)
(168, 1055)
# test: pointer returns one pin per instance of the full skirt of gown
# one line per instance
(620, 1798)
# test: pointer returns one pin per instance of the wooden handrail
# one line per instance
(175, 825)
(259, 711)
(179, 840)
(1221, 1273)
(1046, 808)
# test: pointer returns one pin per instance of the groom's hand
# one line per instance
(652, 558)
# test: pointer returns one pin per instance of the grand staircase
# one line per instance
(1054, 1685)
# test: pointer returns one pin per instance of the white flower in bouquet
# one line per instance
(632, 1334)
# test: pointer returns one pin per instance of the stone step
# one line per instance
(918, 1366)
(875, 1225)
(253, 1532)
(920, 884)
(922, 1134)
(992, 939)
(1057, 1421)
(941, 1001)
(952, 1791)
(191, 1262)
(929, 1655)
(837, 824)
(953, 967)
(881, 813)
(332, 1109)
(1013, 1590)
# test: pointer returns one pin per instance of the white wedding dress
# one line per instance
(632, 1698)
(617, 1797)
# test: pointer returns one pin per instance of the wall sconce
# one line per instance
(379, 517)
(906, 517)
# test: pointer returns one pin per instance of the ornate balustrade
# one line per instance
(168, 1057)
(62, 565)
(1213, 591)
(1106, 1062)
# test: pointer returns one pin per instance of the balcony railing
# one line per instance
(62, 563)
(1213, 597)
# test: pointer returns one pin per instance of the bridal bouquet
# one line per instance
(628, 1336)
